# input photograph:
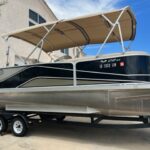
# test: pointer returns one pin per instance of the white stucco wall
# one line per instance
(14, 15)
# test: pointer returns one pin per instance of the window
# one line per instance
(65, 51)
(35, 18)
(31, 23)
(33, 15)
(41, 20)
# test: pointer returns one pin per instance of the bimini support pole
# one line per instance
(114, 25)
(8, 51)
(41, 42)
(9, 48)
(121, 38)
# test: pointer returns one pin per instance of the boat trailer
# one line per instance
(19, 122)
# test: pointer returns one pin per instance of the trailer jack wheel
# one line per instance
(19, 127)
(3, 125)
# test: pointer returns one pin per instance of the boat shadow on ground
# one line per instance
(123, 135)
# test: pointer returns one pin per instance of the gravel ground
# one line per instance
(74, 137)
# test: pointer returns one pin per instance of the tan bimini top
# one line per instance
(80, 31)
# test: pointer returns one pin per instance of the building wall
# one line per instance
(14, 15)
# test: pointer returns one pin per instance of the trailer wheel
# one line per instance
(19, 127)
(3, 125)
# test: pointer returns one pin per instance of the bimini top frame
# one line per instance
(115, 26)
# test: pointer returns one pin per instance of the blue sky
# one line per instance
(141, 8)
(142, 13)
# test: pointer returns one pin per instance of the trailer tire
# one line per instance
(19, 127)
(3, 124)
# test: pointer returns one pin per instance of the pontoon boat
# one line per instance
(112, 84)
